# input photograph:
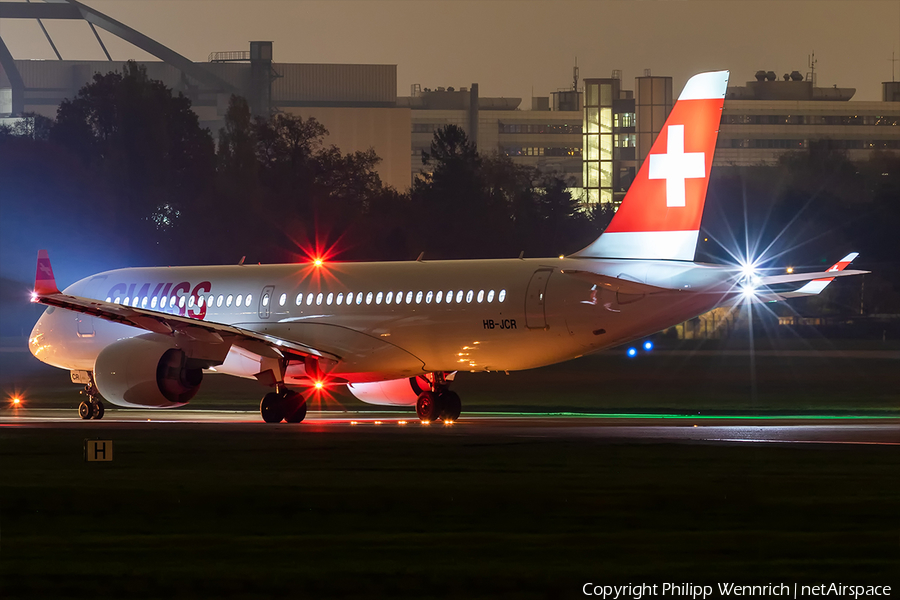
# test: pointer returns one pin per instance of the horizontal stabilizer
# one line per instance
(798, 277)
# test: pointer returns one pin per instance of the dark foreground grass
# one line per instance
(258, 512)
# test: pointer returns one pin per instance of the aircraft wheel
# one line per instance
(272, 408)
(451, 405)
(298, 403)
(99, 409)
(428, 406)
(86, 410)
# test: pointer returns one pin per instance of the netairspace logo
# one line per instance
(723, 590)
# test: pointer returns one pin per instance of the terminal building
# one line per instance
(596, 135)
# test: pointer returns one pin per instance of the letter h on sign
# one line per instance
(98, 450)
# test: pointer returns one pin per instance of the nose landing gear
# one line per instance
(92, 406)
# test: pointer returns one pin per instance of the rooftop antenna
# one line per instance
(811, 62)
(575, 75)
(893, 62)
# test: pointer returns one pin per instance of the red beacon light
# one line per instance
(318, 262)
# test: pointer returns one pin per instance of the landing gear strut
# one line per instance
(283, 405)
(92, 406)
(438, 402)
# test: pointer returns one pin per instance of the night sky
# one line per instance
(512, 47)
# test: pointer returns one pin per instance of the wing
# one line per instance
(615, 284)
(47, 293)
(816, 282)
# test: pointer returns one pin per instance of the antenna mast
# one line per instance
(811, 62)
(575, 75)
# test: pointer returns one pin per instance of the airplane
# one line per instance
(396, 333)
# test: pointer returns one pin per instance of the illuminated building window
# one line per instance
(418, 297)
(469, 295)
(247, 301)
(181, 302)
(428, 297)
(369, 297)
(309, 299)
(266, 300)
(330, 298)
(359, 297)
(459, 296)
(379, 297)
(228, 300)
(154, 301)
(409, 296)
(220, 300)
(389, 297)
(299, 299)
(490, 297)
(438, 296)
(480, 296)
(319, 299)
(340, 298)
(502, 296)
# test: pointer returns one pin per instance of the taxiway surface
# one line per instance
(668, 428)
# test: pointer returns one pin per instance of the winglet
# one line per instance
(44, 281)
(817, 285)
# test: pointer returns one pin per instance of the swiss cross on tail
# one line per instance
(660, 216)
(44, 281)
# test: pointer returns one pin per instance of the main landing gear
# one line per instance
(92, 406)
(438, 402)
(283, 405)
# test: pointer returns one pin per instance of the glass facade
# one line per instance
(598, 139)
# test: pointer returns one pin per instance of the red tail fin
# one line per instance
(660, 215)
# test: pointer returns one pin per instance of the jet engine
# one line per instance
(149, 371)
(394, 392)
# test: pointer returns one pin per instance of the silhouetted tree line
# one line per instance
(127, 162)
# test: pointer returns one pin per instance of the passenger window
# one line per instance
(330, 298)
(282, 299)
(210, 300)
(449, 297)
(340, 298)
(191, 302)
(490, 296)
(228, 300)
(152, 302)
(266, 299)
(399, 297)
(127, 298)
(480, 296)
(118, 299)
(459, 296)
(237, 301)
(389, 297)
(299, 299)
(109, 298)
(247, 301)
(418, 297)
(319, 299)
(502, 296)
(181, 302)
(379, 297)
(437, 297)
(199, 301)
(409, 297)
(359, 297)
(144, 302)
(428, 297)
(369, 298)
(219, 301)
(469, 296)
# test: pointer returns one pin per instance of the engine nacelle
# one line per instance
(147, 371)
(394, 392)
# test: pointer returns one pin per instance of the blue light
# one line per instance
(648, 345)
(632, 352)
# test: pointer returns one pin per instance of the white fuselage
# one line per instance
(502, 314)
